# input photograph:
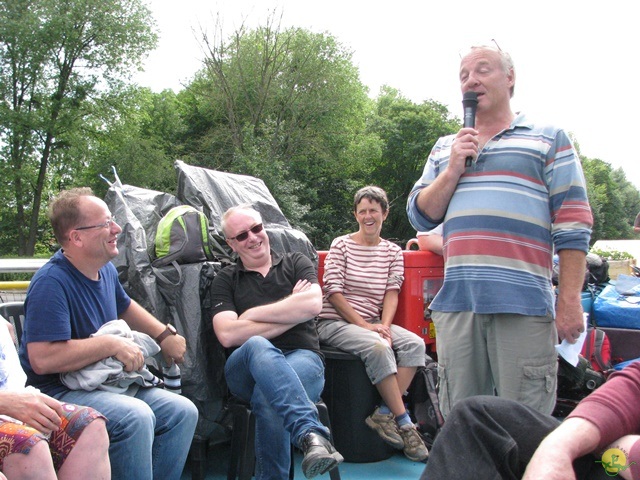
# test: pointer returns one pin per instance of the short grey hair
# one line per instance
(243, 207)
(373, 194)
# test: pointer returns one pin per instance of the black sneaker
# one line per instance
(319, 455)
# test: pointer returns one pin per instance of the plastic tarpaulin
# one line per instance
(171, 296)
(215, 192)
(619, 305)
(181, 297)
(138, 212)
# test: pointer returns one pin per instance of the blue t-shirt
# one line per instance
(63, 304)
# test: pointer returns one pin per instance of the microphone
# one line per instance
(469, 102)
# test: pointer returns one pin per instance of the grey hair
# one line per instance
(373, 194)
(243, 207)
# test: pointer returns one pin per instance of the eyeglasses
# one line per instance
(481, 44)
(106, 224)
(241, 237)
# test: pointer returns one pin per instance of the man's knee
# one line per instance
(188, 410)
(134, 419)
(255, 347)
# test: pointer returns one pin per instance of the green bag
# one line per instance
(183, 237)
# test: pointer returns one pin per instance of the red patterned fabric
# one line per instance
(20, 438)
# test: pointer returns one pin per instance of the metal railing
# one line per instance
(13, 291)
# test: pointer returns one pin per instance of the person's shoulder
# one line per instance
(56, 261)
(443, 143)
(296, 257)
(225, 272)
(536, 126)
(341, 240)
(54, 272)
(389, 245)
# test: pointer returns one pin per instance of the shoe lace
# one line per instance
(387, 422)
(410, 435)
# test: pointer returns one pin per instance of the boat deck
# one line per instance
(397, 467)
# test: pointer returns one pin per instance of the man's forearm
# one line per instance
(70, 355)
(553, 459)
(233, 332)
(433, 200)
(141, 320)
(572, 265)
(293, 309)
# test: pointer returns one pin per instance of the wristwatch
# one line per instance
(170, 330)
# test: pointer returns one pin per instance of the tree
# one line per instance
(286, 106)
(140, 140)
(408, 132)
(630, 198)
(56, 60)
(606, 191)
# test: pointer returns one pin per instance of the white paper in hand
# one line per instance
(571, 351)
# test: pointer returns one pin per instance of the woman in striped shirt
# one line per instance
(362, 278)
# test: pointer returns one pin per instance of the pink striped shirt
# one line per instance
(363, 274)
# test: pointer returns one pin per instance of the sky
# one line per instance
(573, 59)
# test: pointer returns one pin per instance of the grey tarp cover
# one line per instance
(215, 192)
(181, 298)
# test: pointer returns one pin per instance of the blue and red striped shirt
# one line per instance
(523, 197)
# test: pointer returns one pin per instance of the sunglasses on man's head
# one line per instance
(241, 237)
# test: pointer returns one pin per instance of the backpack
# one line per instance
(597, 350)
(595, 273)
(182, 237)
(574, 384)
(598, 269)
(424, 404)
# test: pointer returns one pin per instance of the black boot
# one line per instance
(319, 455)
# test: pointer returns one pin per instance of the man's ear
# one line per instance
(512, 77)
(75, 238)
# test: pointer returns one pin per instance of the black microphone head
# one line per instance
(469, 99)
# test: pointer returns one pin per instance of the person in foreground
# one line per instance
(264, 310)
(40, 437)
(363, 274)
(521, 197)
(493, 438)
(68, 300)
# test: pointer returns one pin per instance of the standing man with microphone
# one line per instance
(521, 199)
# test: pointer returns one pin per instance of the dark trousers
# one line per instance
(491, 438)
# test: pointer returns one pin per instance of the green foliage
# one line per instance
(284, 105)
(141, 141)
(614, 201)
(407, 132)
(612, 254)
(57, 60)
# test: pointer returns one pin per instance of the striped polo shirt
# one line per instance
(363, 274)
(524, 197)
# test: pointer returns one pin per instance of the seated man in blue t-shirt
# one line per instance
(68, 300)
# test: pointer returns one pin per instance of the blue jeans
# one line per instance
(150, 432)
(282, 390)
